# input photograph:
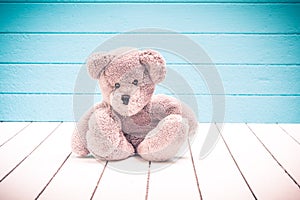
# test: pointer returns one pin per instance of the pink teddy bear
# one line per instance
(130, 119)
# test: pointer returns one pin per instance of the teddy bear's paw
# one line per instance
(103, 122)
(164, 142)
(124, 150)
(78, 144)
(121, 152)
(79, 150)
(114, 147)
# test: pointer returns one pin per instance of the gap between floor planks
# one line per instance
(95, 188)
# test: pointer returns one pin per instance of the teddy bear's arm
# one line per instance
(105, 139)
(163, 105)
(78, 143)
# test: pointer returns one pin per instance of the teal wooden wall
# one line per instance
(255, 46)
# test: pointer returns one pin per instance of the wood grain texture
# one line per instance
(92, 17)
(292, 130)
(255, 45)
(249, 49)
(150, 1)
(76, 179)
(10, 130)
(128, 183)
(51, 172)
(238, 108)
(236, 79)
(217, 171)
(257, 164)
(20, 147)
(29, 180)
(281, 146)
(164, 178)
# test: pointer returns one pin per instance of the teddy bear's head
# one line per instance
(127, 79)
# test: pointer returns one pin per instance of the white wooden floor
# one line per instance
(250, 161)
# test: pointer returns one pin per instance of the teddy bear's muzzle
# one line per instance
(125, 98)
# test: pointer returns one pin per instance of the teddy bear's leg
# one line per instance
(164, 141)
(105, 140)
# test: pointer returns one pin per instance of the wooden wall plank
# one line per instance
(32, 176)
(150, 1)
(92, 17)
(266, 178)
(257, 41)
(236, 79)
(237, 49)
(260, 109)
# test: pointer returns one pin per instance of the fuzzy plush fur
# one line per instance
(130, 119)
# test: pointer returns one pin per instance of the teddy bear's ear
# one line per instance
(155, 65)
(97, 62)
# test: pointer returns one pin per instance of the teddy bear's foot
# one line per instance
(109, 148)
(163, 142)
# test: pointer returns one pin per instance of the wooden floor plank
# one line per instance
(22, 145)
(262, 172)
(76, 179)
(292, 130)
(8, 130)
(175, 180)
(219, 178)
(30, 178)
(49, 171)
(124, 179)
(281, 146)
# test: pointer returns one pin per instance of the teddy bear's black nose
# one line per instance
(125, 98)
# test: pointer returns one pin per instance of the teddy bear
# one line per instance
(131, 120)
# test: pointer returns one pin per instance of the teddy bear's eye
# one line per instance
(135, 82)
(117, 85)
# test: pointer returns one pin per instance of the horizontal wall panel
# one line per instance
(238, 109)
(150, 1)
(182, 17)
(246, 80)
(255, 49)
